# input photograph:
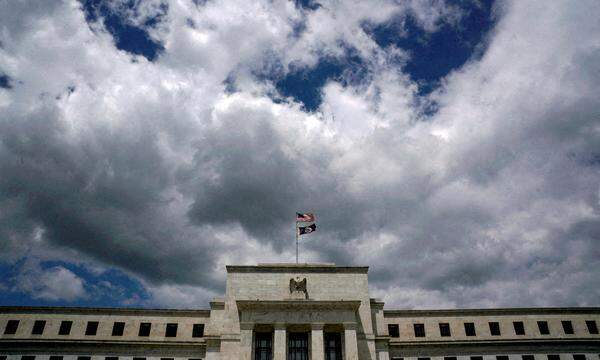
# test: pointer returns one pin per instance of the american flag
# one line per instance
(305, 217)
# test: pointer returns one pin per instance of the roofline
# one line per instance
(498, 311)
(296, 268)
(101, 310)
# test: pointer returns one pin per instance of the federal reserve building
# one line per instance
(298, 312)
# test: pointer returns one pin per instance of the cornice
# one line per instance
(488, 312)
(298, 305)
(102, 311)
(495, 342)
(296, 268)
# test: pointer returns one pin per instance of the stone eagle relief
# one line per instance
(298, 288)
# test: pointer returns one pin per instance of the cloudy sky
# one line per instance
(452, 146)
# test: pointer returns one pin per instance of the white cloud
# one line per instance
(55, 283)
(153, 168)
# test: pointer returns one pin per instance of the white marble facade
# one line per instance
(283, 305)
(259, 298)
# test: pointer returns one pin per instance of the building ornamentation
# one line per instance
(298, 286)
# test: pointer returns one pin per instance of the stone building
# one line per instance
(298, 312)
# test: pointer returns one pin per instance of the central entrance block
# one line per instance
(294, 312)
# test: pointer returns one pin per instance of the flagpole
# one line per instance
(296, 241)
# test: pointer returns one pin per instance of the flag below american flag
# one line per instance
(307, 229)
(308, 217)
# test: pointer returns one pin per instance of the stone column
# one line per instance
(350, 343)
(316, 342)
(246, 340)
(279, 342)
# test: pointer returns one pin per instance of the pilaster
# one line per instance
(316, 336)
(279, 341)
(246, 340)
(350, 342)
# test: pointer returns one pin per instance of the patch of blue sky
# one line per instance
(5, 81)
(127, 37)
(109, 288)
(434, 55)
(307, 4)
(304, 84)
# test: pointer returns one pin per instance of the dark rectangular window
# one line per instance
(419, 330)
(118, 328)
(578, 356)
(144, 329)
(470, 329)
(38, 327)
(65, 327)
(519, 328)
(167, 359)
(494, 328)
(592, 327)
(444, 329)
(449, 357)
(567, 326)
(198, 330)
(111, 358)
(11, 327)
(263, 346)
(171, 330)
(28, 357)
(424, 358)
(476, 357)
(501, 357)
(553, 357)
(394, 330)
(297, 346)
(527, 357)
(3, 357)
(84, 358)
(56, 357)
(91, 328)
(543, 327)
(139, 358)
(333, 346)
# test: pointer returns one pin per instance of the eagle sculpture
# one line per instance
(297, 285)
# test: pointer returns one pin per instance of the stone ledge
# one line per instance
(102, 311)
(495, 342)
(297, 304)
(487, 312)
(297, 268)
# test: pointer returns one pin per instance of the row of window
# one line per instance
(505, 357)
(518, 326)
(92, 328)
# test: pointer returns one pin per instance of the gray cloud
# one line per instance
(155, 169)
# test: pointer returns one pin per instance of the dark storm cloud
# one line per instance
(247, 177)
(99, 196)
